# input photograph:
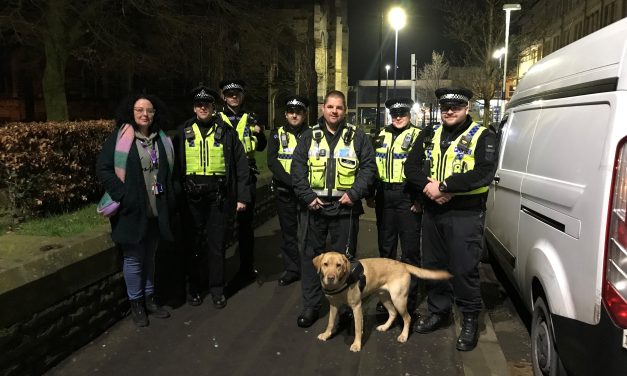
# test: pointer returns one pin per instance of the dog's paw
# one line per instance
(324, 336)
(356, 347)
(402, 338)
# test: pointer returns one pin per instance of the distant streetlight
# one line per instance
(498, 54)
(508, 8)
(397, 19)
(387, 70)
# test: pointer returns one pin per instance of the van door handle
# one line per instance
(497, 179)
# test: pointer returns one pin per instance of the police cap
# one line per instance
(399, 105)
(202, 94)
(453, 96)
(232, 84)
(296, 102)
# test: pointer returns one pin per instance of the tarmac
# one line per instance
(256, 334)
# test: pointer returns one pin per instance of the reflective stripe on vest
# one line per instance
(321, 163)
(457, 159)
(285, 153)
(391, 155)
(244, 133)
(204, 156)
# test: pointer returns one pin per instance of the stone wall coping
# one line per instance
(25, 258)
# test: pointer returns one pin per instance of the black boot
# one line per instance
(155, 309)
(434, 322)
(138, 311)
(469, 335)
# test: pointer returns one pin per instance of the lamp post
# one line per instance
(498, 54)
(508, 8)
(397, 19)
(387, 70)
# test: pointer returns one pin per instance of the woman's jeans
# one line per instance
(139, 263)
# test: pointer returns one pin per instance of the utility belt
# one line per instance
(276, 186)
(391, 186)
(196, 191)
(329, 194)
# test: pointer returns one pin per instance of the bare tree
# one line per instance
(479, 25)
(432, 75)
(152, 38)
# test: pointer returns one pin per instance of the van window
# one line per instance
(517, 140)
(568, 142)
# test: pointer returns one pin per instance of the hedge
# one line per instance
(49, 168)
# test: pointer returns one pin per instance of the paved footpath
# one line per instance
(256, 334)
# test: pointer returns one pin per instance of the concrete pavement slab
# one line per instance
(256, 334)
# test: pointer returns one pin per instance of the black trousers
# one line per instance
(395, 221)
(245, 233)
(287, 209)
(452, 241)
(205, 262)
(319, 226)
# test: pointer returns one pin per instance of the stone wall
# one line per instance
(57, 302)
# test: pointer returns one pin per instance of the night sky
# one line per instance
(422, 35)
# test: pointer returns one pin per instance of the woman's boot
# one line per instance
(139, 312)
(155, 309)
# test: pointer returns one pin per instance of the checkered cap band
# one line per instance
(454, 97)
(296, 103)
(400, 106)
(232, 86)
(202, 95)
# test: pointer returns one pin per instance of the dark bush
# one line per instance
(49, 168)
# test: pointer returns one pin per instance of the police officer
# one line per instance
(251, 136)
(280, 149)
(215, 177)
(398, 212)
(333, 168)
(453, 165)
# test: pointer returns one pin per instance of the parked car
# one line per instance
(557, 209)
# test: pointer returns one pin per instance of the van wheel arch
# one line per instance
(544, 356)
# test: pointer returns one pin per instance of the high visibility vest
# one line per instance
(391, 155)
(459, 157)
(204, 156)
(340, 168)
(244, 133)
(287, 144)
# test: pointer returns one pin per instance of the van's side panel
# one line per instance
(564, 188)
(502, 223)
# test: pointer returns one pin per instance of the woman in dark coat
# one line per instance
(135, 167)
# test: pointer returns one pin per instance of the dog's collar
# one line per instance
(356, 275)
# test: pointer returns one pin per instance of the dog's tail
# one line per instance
(426, 273)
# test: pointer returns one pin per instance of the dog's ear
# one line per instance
(317, 261)
(347, 264)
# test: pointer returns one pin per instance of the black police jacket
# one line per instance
(280, 176)
(365, 174)
(237, 171)
(481, 175)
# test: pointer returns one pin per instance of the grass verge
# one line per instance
(64, 224)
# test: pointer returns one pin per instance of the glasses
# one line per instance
(451, 108)
(149, 111)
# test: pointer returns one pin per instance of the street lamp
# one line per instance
(387, 70)
(498, 54)
(508, 8)
(397, 19)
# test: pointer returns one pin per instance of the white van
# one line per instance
(556, 219)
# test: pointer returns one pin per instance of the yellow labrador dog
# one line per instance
(390, 279)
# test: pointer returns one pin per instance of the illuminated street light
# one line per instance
(508, 8)
(387, 70)
(498, 54)
(397, 19)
